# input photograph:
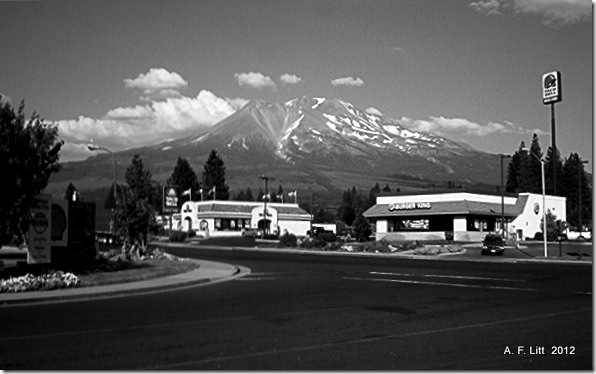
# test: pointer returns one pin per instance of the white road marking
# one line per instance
(446, 276)
(442, 284)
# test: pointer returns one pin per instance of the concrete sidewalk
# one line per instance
(208, 272)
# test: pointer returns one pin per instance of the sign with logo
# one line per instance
(408, 206)
(170, 198)
(551, 87)
(60, 223)
(40, 230)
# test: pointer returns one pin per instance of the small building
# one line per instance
(230, 218)
(460, 215)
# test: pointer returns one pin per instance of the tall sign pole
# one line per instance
(551, 94)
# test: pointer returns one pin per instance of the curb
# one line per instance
(217, 272)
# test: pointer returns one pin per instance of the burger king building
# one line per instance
(460, 215)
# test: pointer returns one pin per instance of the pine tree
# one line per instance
(372, 195)
(214, 174)
(513, 170)
(572, 176)
(548, 172)
(249, 195)
(185, 178)
(531, 170)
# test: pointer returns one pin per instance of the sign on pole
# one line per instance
(40, 230)
(551, 87)
(170, 199)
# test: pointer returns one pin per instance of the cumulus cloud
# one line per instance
(347, 81)
(451, 127)
(157, 83)
(290, 79)
(554, 13)
(255, 80)
(128, 127)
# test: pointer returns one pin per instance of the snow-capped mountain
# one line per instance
(320, 142)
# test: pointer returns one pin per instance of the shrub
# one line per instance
(288, 240)
(327, 237)
(309, 243)
(178, 236)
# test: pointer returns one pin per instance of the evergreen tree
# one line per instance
(386, 188)
(249, 195)
(214, 174)
(531, 170)
(241, 196)
(513, 170)
(29, 154)
(548, 172)
(572, 176)
(372, 195)
(185, 178)
(260, 197)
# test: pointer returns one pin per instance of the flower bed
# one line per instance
(43, 282)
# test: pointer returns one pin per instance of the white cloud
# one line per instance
(255, 80)
(373, 110)
(129, 127)
(290, 79)
(487, 7)
(157, 83)
(347, 81)
(451, 127)
(554, 13)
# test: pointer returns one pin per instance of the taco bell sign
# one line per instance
(551, 87)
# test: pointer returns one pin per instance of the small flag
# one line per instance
(293, 193)
(212, 191)
(187, 192)
(267, 196)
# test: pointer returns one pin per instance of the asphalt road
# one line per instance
(312, 312)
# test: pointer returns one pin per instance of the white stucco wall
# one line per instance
(529, 221)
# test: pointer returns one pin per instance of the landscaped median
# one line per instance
(108, 268)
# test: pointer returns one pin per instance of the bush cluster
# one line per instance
(178, 236)
(288, 240)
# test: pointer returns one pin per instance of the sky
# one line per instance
(131, 73)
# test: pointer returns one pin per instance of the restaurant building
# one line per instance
(230, 218)
(460, 215)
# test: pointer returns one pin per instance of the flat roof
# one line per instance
(246, 208)
(442, 208)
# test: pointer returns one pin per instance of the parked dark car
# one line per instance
(493, 244)
(252, 233)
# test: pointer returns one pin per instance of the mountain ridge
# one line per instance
(313, 143)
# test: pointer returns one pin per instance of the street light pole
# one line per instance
(503, 196)
(267, 179)
(543, 202)
(579, 198)
(94, 148)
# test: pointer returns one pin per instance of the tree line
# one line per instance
(524, 174)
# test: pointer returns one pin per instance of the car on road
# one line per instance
(252, 233)
(493, 244)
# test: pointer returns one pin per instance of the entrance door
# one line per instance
(187, 224)
(264, 224)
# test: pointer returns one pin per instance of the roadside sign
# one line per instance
(40, 230)
(551, 87)
(170, 198)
